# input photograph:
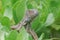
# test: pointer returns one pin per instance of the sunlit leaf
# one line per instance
(1, 35)
(8, 12)
(49, 20)
(56, 27)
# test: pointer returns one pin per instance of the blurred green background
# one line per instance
(46, 25)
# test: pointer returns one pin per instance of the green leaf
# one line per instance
(35, 23)
(1, 35)
(7, 8)
(54, 6)
(56, 27)
(19, 10)
(8, 12)
(54, 3)
(30, 37)
(14, 2)
(29, 5)
(5, 21)
(43, 13)
(41, 37)
(12, 35)
(49, 20)
(6, 3)
(37, 1)
(23, 35)
(1, 15)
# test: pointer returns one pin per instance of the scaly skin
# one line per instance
(30, 15)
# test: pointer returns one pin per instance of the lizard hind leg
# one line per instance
(31, 32)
